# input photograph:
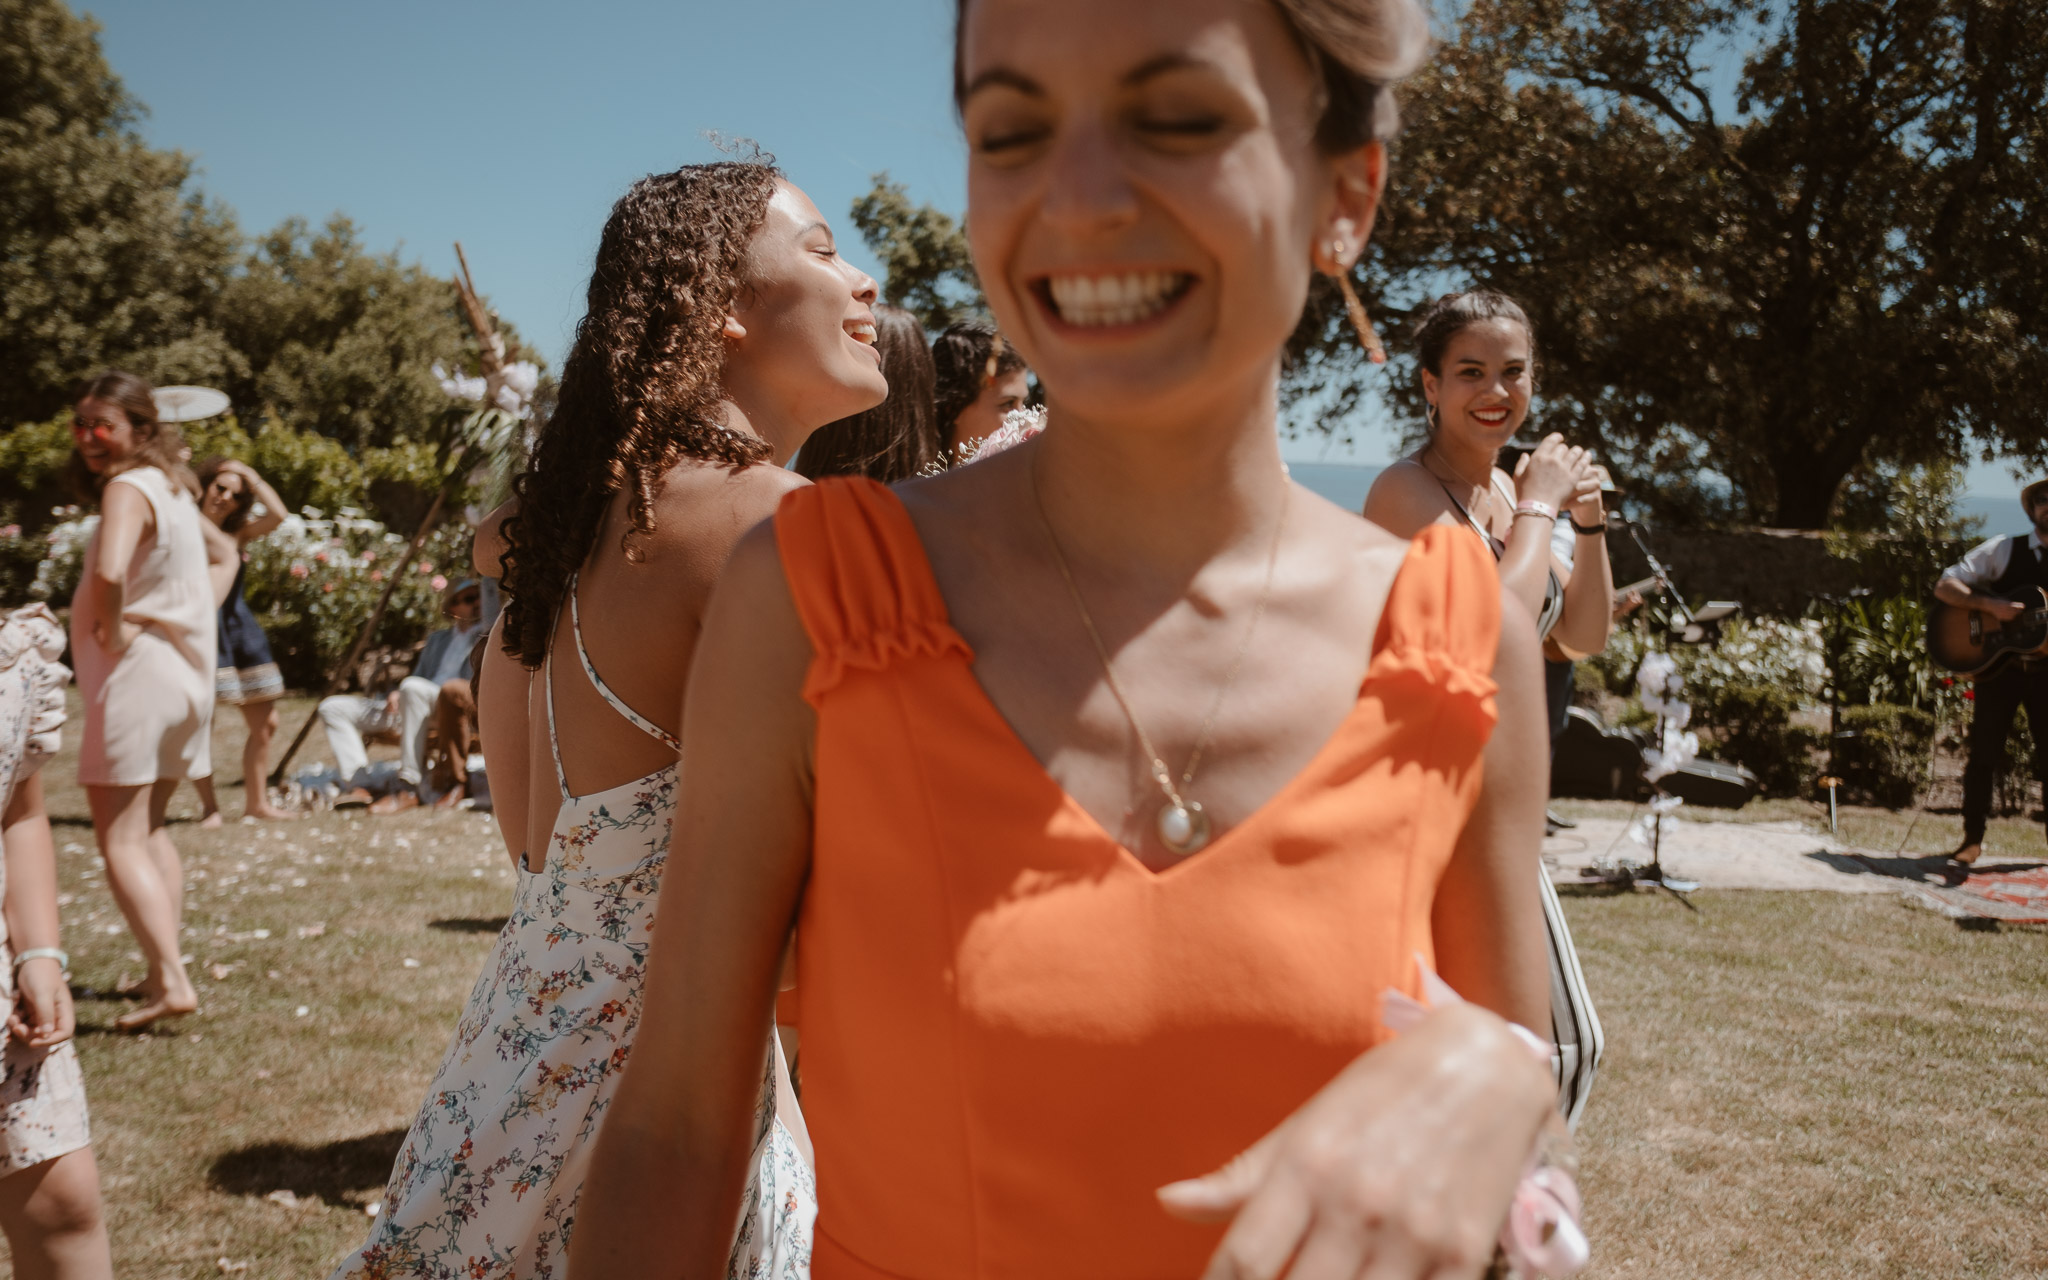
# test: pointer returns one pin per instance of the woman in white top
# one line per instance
(142, 638)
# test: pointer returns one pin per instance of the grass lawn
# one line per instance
(1796, 1084)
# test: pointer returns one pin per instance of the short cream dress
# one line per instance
(42, 1092)
(149, 711)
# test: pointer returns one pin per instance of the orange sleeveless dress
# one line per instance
(1013, 1031)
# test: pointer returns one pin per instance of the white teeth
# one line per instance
(1099, 301)
(861, 331)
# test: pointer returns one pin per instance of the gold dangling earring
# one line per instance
(1429, 416)
(1359, 321)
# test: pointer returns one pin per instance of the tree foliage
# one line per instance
(1741, 309)
(929, 268)
(104, 255)
(108, 258)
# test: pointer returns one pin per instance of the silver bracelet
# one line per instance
(62, 957)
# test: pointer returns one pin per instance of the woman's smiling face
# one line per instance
(1482, 392)
(102, 432)
(1145, 194)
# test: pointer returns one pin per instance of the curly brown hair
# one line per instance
(640, 389)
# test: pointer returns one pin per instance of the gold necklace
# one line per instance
(1484, 491)
(1181, 824)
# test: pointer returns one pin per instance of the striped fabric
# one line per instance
(1575, 1027)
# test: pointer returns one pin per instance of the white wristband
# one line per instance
(63, 958)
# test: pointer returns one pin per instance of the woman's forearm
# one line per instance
(1588, 617)
(1525, 564)
(656, 1205)
(31, 907)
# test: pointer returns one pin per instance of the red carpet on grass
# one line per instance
(2016, 896)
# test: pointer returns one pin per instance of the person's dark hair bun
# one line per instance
(1450, 315)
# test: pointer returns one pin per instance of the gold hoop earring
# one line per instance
(1429, 415)
(1367, 338)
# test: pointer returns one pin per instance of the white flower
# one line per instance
(459, 385)
(523, 376)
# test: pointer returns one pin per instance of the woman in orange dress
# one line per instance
(1109, 782)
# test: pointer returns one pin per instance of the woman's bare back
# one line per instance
(640, 622)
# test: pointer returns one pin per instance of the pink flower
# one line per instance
(369, 557)
(327, 586)
(376, 575)
(299, 571)
(321, 556)
(10, 531)
(438, 583)
(426, 567)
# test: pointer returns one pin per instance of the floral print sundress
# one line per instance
(485, 1187)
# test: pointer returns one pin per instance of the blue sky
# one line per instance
(513, 126)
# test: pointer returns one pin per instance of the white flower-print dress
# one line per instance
(486, 1185)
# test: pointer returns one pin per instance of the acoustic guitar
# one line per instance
(1972, 643)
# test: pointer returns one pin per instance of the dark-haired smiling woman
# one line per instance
(666, 443)
(1108, 783)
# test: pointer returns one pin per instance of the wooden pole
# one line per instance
(355, 652)
(494, 370)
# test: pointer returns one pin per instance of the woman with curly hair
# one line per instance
(980, 378)
(722, 329)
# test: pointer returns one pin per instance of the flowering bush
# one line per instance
(311, 583)
(314, 581)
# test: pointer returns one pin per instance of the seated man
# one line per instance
(408, 710)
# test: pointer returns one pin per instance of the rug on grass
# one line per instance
(2013, 894)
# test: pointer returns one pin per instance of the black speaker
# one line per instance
(1596, 762)
(1714, 784)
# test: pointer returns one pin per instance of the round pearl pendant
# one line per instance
(1183, 828)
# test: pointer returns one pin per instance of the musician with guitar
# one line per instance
(1990, 623)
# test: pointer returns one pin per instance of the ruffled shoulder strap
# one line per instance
(1441, 624)
(861, 581)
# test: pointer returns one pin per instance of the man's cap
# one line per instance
(2032, 494)
(476, 584)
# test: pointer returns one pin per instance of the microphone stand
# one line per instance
(1654, 875)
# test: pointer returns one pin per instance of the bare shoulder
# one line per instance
(1404, 498)
(1357, 549)
(704, 506)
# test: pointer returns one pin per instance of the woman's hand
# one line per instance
(115, 639)
(1557, 473)
(1402, 1168)
(43, 1014)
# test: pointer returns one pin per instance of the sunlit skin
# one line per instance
(50, 1212)
(799, 354)
(1171, 143)
(980, 419)
(217, 502)
(143, 868)
(101, 432)
(1480, 400)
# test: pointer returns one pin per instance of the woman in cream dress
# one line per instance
(142, 636)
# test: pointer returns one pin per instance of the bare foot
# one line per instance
(211, 821)
(271, 813)
(397, 802)
(168, 1005)
(1968, 854)
(449, 799)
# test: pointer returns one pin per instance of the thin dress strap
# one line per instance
(1493, 543)
(604, 690)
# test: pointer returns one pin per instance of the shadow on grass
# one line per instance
(469, 924)
(336, 1172)
(1594, 889)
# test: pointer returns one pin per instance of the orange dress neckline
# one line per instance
(1014, 1029)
